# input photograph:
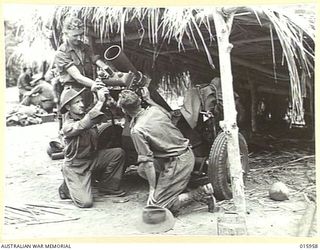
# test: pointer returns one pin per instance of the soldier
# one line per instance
(161, 148)
(24, 82)
(82, 158)
(75, 60)
(41, 94)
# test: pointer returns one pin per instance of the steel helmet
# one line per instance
(67, 96)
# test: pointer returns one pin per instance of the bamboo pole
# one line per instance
(254, 104)
(223, 24)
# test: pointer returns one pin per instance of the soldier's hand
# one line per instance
(102, 93)
(96, 86)
(145, 94)
(150, 200)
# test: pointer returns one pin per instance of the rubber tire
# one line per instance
(218, 169)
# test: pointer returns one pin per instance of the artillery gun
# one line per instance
(122, 74)
(208, 144)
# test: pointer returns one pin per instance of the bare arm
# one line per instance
(75, 73)
(27, 95)
(71, 129)
(34, 90)
(75, 128)
(145, 159)
(151, 176)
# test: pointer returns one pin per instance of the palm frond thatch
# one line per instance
(172, 32)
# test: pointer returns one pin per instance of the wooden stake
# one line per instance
(223, 24)
(311, 104)
(307, 220)
(254, 104)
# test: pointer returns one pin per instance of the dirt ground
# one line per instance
(33, 208)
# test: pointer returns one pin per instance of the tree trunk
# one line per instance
(223, 25)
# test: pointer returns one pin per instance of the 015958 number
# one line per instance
(308, 245)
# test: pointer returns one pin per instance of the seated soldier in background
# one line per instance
(82, 158)
(41, 94)
(24, 82)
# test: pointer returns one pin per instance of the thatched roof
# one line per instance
(271, 47)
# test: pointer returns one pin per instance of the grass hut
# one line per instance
(272, 56)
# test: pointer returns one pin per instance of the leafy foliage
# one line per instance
(13, 65)
(26, 44)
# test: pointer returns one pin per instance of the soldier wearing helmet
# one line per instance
(82, 158)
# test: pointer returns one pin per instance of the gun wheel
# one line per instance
(218, 167)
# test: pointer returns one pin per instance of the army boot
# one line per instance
(202, 193)
(64, 191)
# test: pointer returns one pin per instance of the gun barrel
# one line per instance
(115, 55)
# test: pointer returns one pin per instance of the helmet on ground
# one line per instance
(279, 192)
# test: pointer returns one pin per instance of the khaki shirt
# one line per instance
(155, 136)
(66, 56)
(81, 135)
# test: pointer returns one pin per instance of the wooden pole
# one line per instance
(307, 220)
(223, 24)
(311, 105)
(254, 104)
